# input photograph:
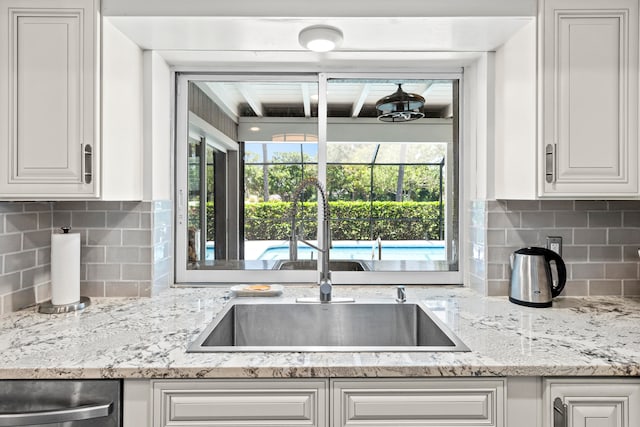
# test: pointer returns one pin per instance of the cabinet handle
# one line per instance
(86, 412)
(550, 163)
(88, 164)
(559, 413)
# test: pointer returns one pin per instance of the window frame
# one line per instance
(221, 276)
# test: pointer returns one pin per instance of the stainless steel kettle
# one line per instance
(531, 281)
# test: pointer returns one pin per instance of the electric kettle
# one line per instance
(531, 281)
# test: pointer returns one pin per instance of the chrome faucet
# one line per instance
(325, 275)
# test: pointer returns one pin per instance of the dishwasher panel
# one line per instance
(60, 403)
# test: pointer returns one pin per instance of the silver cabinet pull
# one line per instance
(559, 413)
(85, 412)
(88, 164)
(550, 163)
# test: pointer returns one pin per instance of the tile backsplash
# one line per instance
(600, 242)
(25, 254)
(126, 248)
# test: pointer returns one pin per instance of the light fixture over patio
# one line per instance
(294, 137)
(400, 107)
(320, 38)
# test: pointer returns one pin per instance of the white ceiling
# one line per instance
(458, 34)
(438, 94)
(345, 98)
(412, 36)
(208, 32)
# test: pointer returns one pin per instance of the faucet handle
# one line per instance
(326, 288)
(402, 294)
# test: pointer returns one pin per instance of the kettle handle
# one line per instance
(550, 255)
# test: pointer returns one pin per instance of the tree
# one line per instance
(348, 182)
(252, 176)
(285, 176)
(349, 172)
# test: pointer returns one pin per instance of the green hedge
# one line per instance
(349, 220)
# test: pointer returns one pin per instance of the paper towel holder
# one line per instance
(48, 308)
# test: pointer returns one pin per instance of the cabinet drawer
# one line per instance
(418, 403)
(245, 403)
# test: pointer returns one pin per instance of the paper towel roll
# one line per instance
(65, 268)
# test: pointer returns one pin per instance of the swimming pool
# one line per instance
(346, 251)
(362, 250)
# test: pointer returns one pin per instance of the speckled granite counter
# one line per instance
(147, 338)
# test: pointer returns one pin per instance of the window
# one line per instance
(251, 140)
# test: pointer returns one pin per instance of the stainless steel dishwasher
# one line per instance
(61, 403)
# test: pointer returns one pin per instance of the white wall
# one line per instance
(471, 163)
(136, 120)
(515, 117)
(348, 129)
(121, 116)
(477, 166)
(158, 169)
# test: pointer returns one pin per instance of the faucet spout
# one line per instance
(325, 242)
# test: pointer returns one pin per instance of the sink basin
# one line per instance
(360, 326)
(310, 264)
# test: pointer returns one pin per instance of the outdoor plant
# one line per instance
(356, 220)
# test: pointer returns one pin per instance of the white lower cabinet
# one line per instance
(592, 402)
(392, 402)
(417, 402)
(317, 403)
(247, 403)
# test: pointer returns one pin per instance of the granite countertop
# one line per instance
(147, 338)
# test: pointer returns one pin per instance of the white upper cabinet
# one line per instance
(566, 104)
(48, 95)
(71, 104)
(588, 142)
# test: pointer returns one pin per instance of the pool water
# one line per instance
(422, 253)
(390, 252)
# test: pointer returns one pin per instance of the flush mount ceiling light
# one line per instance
(320, 38)
(400, 107)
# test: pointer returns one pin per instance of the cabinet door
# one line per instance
(47, 98)
(261, 403)
(418, 403)
(593, 403)
(589, 104)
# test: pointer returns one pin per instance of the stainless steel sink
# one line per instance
(310, 264)
(362, 326)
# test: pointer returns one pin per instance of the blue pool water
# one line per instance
(389, 252)
(392, 252)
